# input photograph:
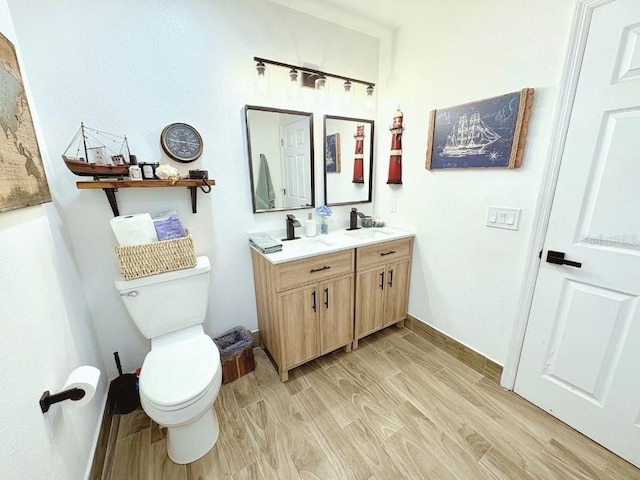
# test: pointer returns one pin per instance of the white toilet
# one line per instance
(181, 375)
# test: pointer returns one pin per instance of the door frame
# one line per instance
(568, 85)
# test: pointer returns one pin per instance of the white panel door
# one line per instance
(295, 169)
(581, 355)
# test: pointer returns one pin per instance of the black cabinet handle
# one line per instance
(390, 252)
(314, 270)
(326, 297)
(382, 281)
(558, 259)
(391, 278)
(314, 300)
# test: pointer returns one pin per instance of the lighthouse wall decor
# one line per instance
(485, 133)
(395, 156)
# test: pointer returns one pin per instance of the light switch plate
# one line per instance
(500, 217)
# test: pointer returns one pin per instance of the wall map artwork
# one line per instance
(486, 133)
(22, 177)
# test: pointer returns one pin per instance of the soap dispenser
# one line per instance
(310, 226)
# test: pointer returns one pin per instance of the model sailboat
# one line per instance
(469, 137)
(97, 154)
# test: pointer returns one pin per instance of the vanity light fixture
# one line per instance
(369, 102)
(293, 75)
(347, 92)
(262, 81)
(319, 78)
(295, 87)
(321, 83)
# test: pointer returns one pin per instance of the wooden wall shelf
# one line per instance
(110, 187)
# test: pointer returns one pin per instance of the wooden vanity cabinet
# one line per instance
(382, 286)
(305, 307)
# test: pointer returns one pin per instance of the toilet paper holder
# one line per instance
(46, 400)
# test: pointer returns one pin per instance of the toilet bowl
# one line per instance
(182, 374)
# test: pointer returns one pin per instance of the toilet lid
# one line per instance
(180, 372)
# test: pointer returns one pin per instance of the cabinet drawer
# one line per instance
(309, 270)
(381, 253)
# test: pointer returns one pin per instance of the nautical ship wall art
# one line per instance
(486, 133)
(97, 154)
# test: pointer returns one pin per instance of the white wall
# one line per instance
(466, 276)
(45, 333)
(134, 67)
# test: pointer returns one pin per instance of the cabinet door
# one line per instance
(370, 289)
(336, 313)
(396, 291)
(299, 325)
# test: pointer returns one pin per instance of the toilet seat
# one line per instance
(176, 375)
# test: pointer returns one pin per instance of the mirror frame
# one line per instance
(309, 115)
(324, 168)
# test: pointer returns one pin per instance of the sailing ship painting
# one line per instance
(332, 153)
(486, 133)
(98, 154)
(469, 137)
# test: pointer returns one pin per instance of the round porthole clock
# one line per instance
(181, 142)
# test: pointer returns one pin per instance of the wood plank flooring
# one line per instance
(395, 408)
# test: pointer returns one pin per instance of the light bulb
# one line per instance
(321, 83)
(261, 83)
(295, 86)
(369, 102)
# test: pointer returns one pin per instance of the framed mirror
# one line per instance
(280, 144)
(348, 160)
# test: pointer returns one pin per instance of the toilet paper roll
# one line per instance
(85, 377)
(134, 229)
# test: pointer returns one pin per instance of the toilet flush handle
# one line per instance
(132, 293)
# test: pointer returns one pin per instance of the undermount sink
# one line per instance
(302, 244)
(368, 233)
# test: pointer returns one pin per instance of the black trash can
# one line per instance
(236, 353)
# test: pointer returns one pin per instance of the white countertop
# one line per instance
(332, 242)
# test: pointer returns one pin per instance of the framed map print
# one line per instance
(22, 177)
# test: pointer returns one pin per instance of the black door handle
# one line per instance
(558, 259)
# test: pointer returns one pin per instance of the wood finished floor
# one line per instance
(395, 408)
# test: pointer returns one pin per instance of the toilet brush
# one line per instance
(118, 364)
(124, 390)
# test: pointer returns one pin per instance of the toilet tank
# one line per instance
(167, 302)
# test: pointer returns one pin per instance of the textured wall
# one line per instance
(45, 333)
(466, 276)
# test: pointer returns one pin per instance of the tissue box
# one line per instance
(158, 257)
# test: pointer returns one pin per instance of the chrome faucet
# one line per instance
(292, 222)
(353, 219)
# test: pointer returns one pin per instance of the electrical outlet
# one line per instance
(393, 207)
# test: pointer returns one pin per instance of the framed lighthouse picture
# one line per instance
(485, 133)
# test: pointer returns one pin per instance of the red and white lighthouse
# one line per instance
(358, 167)
(395, 159)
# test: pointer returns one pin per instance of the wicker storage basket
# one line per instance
(151, 258)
